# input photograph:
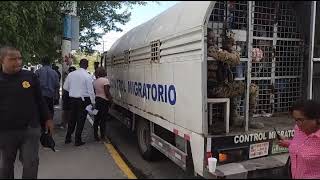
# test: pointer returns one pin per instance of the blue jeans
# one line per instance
(27, 143)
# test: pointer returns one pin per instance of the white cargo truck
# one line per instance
(158, 73)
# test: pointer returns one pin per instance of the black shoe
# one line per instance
(97, 139)
(79, 143)
(67, 141)
(106, 140)
(62, 126)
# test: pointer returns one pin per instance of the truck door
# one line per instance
(279, 73)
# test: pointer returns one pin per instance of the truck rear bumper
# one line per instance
(265, 167)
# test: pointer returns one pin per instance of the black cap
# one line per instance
(47, 141)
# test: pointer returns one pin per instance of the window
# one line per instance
(126, 56)
(155, 51)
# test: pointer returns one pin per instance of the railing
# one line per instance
(226, 102)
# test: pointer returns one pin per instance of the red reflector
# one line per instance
(209, 155)
(187, 137)
(176, 131)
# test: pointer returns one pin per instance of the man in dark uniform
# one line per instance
(23, 110)
(221, 83)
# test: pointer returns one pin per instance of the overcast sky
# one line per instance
(139, 15)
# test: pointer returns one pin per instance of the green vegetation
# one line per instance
(103, 14)
(91, 58)
(35, 27)
(31, 26)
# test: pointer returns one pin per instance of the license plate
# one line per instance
(258, 150)
(276, 149)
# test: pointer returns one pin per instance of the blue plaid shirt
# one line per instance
(49, 81)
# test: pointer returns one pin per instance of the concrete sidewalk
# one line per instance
(91, 160)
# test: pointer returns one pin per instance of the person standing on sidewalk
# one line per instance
(79, 85)
(23, 110)
(103, 102)
(95, 66)
(57, 93)
(49, 83)
(66, 104)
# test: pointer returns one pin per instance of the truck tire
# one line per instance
(147, 151)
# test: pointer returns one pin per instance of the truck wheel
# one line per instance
(144, 141)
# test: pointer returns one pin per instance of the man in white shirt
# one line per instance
(79, 85)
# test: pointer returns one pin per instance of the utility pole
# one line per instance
(103, 45)
(66, 41)
(66, 46)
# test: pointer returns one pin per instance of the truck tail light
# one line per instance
(233, 155)
(223, 157)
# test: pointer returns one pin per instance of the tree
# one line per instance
(35, 27)
(30, 26)
(102, 14)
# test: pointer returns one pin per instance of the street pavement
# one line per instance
(95, 160)
(126, 143)
(91, 160)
